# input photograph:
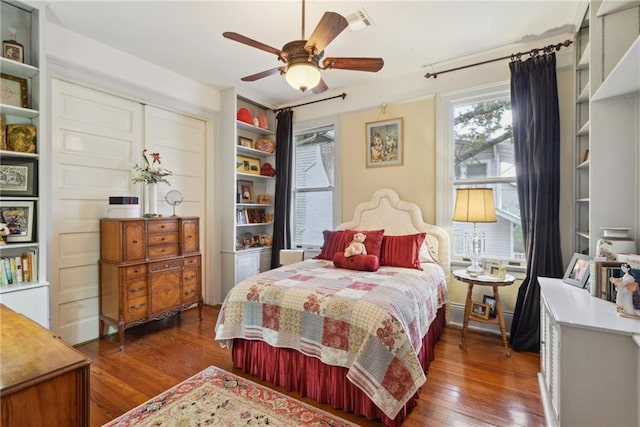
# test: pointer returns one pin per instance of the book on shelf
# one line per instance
(19, 269)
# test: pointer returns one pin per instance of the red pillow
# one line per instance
(402, 251)
(356, 262)
(373, 242)
(333, 243)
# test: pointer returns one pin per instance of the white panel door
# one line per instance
(97, 138)
(180, 141)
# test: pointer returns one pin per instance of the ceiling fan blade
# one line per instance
(357, 64)
(253, 43)
(320, 87)
(262, 74)
(331, 24)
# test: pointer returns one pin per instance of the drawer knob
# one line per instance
(162, 226)
(162, 239)
(135, 241)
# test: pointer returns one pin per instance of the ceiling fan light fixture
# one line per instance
(303, 76)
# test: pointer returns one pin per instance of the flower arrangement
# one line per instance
(151, 172)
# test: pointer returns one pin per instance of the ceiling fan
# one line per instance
(302, 58)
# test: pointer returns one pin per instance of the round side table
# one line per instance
(484, 280)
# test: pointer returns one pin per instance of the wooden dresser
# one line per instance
(43, 381)
(150, 269)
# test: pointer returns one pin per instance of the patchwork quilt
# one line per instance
(371, 323)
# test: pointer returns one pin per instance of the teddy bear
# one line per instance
(356, 247)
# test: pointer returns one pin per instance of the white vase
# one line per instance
(614, 241)
(151, 200)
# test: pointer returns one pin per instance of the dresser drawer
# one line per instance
(162, 238)
(135, 309)
(170, 264)
(190, 292)
(135, 270)
(162, 226)
(136, 287)
(191, 261)
(162, 251)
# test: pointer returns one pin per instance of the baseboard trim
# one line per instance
(456, 314)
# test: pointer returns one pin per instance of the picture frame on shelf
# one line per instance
(577, 272)
(491, 302)
(19, 216)
(480, 310)
(385, 143)
(14, 91)
(245, 189)
(21, 138)
(13, 50)
(248, 165)
(245, 142)
(264, 199)
(18, 177)
(3, 134)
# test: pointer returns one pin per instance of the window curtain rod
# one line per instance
(342, 95)
(514, 57)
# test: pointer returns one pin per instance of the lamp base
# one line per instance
(474, 268)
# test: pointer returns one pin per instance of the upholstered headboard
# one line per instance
(397, 217)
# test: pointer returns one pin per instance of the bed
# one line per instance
(359, 337)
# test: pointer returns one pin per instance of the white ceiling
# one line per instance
(186, 36)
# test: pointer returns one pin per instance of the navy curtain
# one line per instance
(536, 133)
(282, 202)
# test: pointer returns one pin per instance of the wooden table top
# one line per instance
(30, 353)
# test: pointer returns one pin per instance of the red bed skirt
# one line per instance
(328, 384)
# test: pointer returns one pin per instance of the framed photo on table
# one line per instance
(385, 143)
(480, 310)
(491, 302)
(19, 216)
(13, 91)
(18, 177)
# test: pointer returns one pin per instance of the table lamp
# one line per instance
(474, 205)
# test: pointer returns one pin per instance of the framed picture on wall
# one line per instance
(385, 143)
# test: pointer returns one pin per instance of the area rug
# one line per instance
(215, 397)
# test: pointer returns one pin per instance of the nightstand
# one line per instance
(484, 280)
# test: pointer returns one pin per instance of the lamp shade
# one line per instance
(474, 205)
(303, 76)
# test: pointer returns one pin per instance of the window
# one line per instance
(475, 137)
(313, 189)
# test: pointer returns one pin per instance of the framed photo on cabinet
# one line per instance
(19, 216)
(577, 271)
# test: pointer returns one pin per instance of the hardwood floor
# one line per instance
(477, 386)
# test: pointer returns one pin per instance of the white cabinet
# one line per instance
(588, 359)
(23, 193)
(247, 193)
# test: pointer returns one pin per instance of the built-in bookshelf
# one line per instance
(247, 156)
(23, 282)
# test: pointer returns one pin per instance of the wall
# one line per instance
(414, 180)
(413, 98)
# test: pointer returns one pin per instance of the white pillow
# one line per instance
(426, 254)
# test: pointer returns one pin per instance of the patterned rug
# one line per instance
(215, 397)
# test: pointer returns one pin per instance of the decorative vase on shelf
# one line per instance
(614, 241)
(151, 200)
